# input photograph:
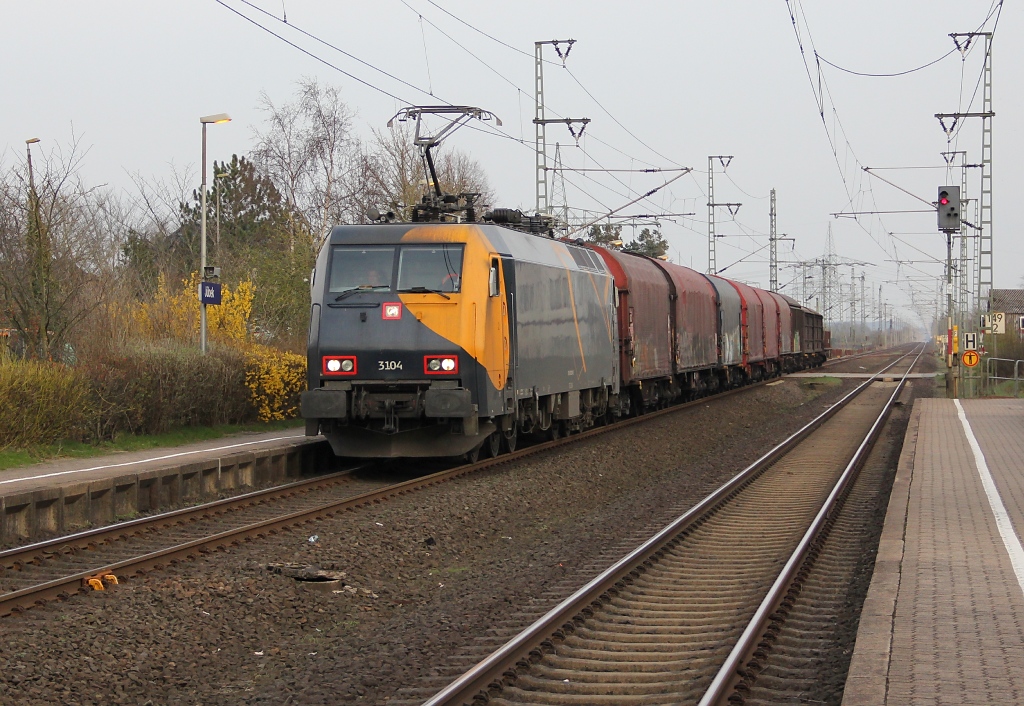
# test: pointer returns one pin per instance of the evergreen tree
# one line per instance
(260, 239)
(649, 243)
(605, 234)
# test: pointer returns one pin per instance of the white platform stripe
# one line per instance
(995, 501)
(148, 460)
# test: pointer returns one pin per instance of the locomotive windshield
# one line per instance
(436, 267)
(361, 268)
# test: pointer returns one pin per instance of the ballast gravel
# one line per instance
(406, 585)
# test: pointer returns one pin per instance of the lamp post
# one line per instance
(28, 150)
(34, 200)
(35, 241)
(206, 120)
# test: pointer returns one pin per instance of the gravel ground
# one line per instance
(424, 574)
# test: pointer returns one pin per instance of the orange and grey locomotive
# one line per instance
(445, 339)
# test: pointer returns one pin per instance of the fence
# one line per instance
(998, 365)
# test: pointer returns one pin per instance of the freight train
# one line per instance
(455, 339)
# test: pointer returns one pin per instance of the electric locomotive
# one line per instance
(442, 339)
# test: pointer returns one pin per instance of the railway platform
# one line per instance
(943, 622)
(65, 495)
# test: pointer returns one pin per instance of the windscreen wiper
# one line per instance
(425, 290)
(360, 288)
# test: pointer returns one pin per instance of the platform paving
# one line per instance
(47, 473)
(943, 622)
(67, 495)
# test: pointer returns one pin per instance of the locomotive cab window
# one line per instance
(430, 268)
(367, 268)
(494, 287)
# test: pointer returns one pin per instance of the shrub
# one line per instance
(156, 387)
(275, 380)
(41, 402)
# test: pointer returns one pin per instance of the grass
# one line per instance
(1003, 389)
(12, 458)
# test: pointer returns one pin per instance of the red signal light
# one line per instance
(944, 201)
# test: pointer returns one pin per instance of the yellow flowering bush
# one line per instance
(175, 314)
(275, 380)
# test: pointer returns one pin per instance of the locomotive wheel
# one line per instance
(556, 431)
(473, 455)
(492, 445)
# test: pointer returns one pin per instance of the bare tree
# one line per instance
(310, 154)
(393, 175)
(57, 250)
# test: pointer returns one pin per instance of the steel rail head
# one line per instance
(727, 677)
(494, 667)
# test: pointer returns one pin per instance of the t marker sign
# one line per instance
(209, 292)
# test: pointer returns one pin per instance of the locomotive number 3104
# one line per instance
(389, 365)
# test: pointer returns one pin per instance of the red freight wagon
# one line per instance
(645, 343)
(695, 318)
(785, 324)
(771, 324)
(752, 323)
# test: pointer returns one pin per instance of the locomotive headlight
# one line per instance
(339, 365)
(440, 364)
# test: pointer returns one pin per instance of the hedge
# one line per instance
(147, 389)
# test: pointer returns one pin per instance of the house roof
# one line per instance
(1010, 301)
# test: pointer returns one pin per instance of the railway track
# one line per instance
(691, 615)
(95, 559)
(56, 569)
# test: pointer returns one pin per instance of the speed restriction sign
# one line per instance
(970, 358)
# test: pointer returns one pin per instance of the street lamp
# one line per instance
(215, 119)
(28, 150)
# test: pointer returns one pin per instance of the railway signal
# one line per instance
(948, 206)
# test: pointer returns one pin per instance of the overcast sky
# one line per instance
(664, 84)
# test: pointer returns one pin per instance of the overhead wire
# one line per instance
(629, 186)
(821, 90)
(429, 91)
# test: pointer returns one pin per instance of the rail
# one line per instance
(730, 675)
(42, 552)
(492, 669)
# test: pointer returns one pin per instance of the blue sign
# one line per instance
(209, 292)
